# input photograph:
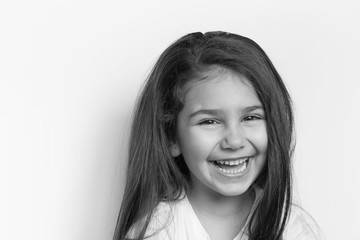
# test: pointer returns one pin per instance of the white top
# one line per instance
(178, 221)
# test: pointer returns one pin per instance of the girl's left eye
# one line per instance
(209, 122)
(252, 117)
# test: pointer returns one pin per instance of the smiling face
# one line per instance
(221, 133)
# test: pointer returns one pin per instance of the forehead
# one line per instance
(212, 72)
(218, 84)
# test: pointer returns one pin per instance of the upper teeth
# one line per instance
(233, 162)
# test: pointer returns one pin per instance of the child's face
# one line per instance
(221, 133)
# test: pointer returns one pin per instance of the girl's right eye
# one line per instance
(209, 122)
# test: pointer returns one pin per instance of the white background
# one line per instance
(70, 72)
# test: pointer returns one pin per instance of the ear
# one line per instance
(175, 150)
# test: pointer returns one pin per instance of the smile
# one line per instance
(232, 167)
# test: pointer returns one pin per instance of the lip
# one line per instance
(231, 159)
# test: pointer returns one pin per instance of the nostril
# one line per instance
(233, 141)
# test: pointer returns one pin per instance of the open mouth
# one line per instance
(232, 166)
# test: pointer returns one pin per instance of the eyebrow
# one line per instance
(253, 108)
(218, 111)
(205, 111)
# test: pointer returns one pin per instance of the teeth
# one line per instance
(233, 162)
(232, 171)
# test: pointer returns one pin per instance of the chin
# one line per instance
(234, 191)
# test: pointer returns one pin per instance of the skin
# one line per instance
(222, 119)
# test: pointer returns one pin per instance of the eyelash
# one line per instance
(208, 122)
(246, 119)
(252, 117)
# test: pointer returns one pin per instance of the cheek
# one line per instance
(196, 146)
(263, 143)
(259, 139)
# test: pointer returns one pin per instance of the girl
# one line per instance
(210, 147)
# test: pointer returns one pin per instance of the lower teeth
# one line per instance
(233, 171)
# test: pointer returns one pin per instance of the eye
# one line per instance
(252, 117)
(209, 122)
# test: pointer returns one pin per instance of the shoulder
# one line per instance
(161, 223)
(301, 226)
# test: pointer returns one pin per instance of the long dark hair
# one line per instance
(153, 175)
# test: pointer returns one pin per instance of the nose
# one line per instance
(234, 138)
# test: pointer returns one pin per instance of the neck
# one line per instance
(212, 204)
(222, 217)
